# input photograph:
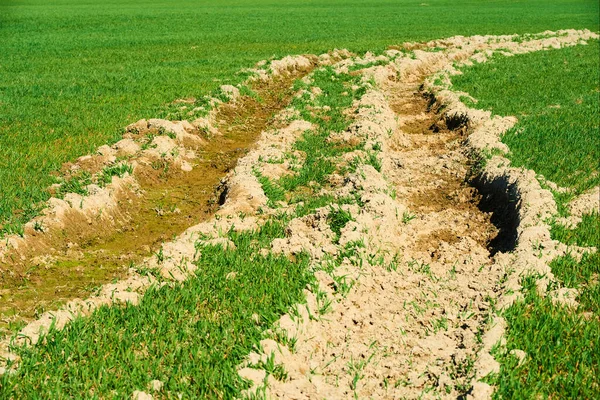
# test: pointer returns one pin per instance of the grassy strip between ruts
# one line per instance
(73, 73)
(584, 274)
(555, 98)
(190, 335)
(326, 112)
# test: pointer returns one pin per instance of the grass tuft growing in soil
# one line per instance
(326, 112)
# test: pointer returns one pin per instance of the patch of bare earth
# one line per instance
(415, 330)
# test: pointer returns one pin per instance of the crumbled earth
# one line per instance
(404, 331)
(586, 203)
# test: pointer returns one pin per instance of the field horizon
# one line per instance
(72, 75)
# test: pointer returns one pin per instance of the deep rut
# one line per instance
(431, 173)
(451, 236)
(415, 331)
(74, 261)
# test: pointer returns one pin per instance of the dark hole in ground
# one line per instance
(223, 189)
(498, 198)
(430, 98)
(456, 121)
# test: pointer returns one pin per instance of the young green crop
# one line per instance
(581, 274)
(337, 95)
(554, 94)
(561, 347)
(191, 336)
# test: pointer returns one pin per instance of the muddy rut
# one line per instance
(57, 265)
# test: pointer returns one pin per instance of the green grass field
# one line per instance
(555, 97)
(73, 74)
(562, 344)
(192, 336)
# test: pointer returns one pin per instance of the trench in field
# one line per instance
(84, 256)
(458, 214)
(452, 230)
(496, 199)
(450, 189)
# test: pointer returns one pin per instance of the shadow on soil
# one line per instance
(498, 198)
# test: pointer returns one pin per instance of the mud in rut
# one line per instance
(415, 331)
(71, 263)
(433, 175)
(453, 281)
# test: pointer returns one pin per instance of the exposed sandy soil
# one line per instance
(586, 203)
(400, 333)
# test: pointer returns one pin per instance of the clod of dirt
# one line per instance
(139, 395)
(307, 234)
(231, 91)
(586, 203)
